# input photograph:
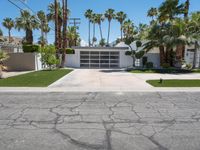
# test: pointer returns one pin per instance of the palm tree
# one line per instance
(187, 7)
(152, 12)
(43, 23)
(55, 15)
(170, 9)
(28, 23)
(155, 39)
(88, 15)
(72, 36)
(9, 24)
(94, 39)
(99, 18)
(109, 14)
(121, 17)
(46, 30)
(64, 44)
(3, 57)
(128, 28)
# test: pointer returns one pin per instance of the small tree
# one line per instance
(135, 54)
(48, 57)
(3, 57)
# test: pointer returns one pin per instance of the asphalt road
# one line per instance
(100, 121)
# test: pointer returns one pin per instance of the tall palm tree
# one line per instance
(46, 30)
(94, 28)
(109, 14)
(9, 24)
(28, 23)
(99, 18)
(152, 12)
(55, 15)
(64, 44)
(88, 15)
(121, 17)
(43, 23)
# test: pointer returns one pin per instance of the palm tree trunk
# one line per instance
(195, 55)
(121, 31)
(64, 33)
(162, 55)
(56, 29)
(89, 39)
(108, 33)
(187, 7)
(60, 34)
(100, 31)
(9, 35)
(93, 34)
(29, 36)
(46, 37)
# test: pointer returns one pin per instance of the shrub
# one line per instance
(149, 65)
(48, 57)
(128, 53)
(70, 51)
(139, 54)
(31, 48)
(166, 65)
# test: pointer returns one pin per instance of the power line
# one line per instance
(29, 9)
(35, 13)
(15, 5)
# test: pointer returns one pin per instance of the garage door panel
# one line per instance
(99, 59)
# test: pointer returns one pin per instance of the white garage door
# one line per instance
(99, 59)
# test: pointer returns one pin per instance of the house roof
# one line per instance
(104, 48)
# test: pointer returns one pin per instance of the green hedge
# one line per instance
(31, 48)
(70, 51)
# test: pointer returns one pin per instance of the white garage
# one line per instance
(99, 57)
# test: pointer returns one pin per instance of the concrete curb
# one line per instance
(60, 90)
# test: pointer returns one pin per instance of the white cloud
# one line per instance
(84, 43)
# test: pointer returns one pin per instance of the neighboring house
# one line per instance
(19, 61)
(15, 46)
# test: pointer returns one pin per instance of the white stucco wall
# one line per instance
(73, 60)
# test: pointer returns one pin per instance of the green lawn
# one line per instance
(175, 83)
(34, 79)
(170, 70)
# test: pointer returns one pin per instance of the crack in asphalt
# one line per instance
(135, 121)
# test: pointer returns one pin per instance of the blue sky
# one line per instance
(135, 9)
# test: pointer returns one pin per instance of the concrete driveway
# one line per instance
(100, 121)
(100, 80)
(113, 80)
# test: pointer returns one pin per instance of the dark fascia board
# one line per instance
(109, 48)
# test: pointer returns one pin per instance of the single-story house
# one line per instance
(115, 57)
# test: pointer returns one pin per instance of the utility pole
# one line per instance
(75, 22)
